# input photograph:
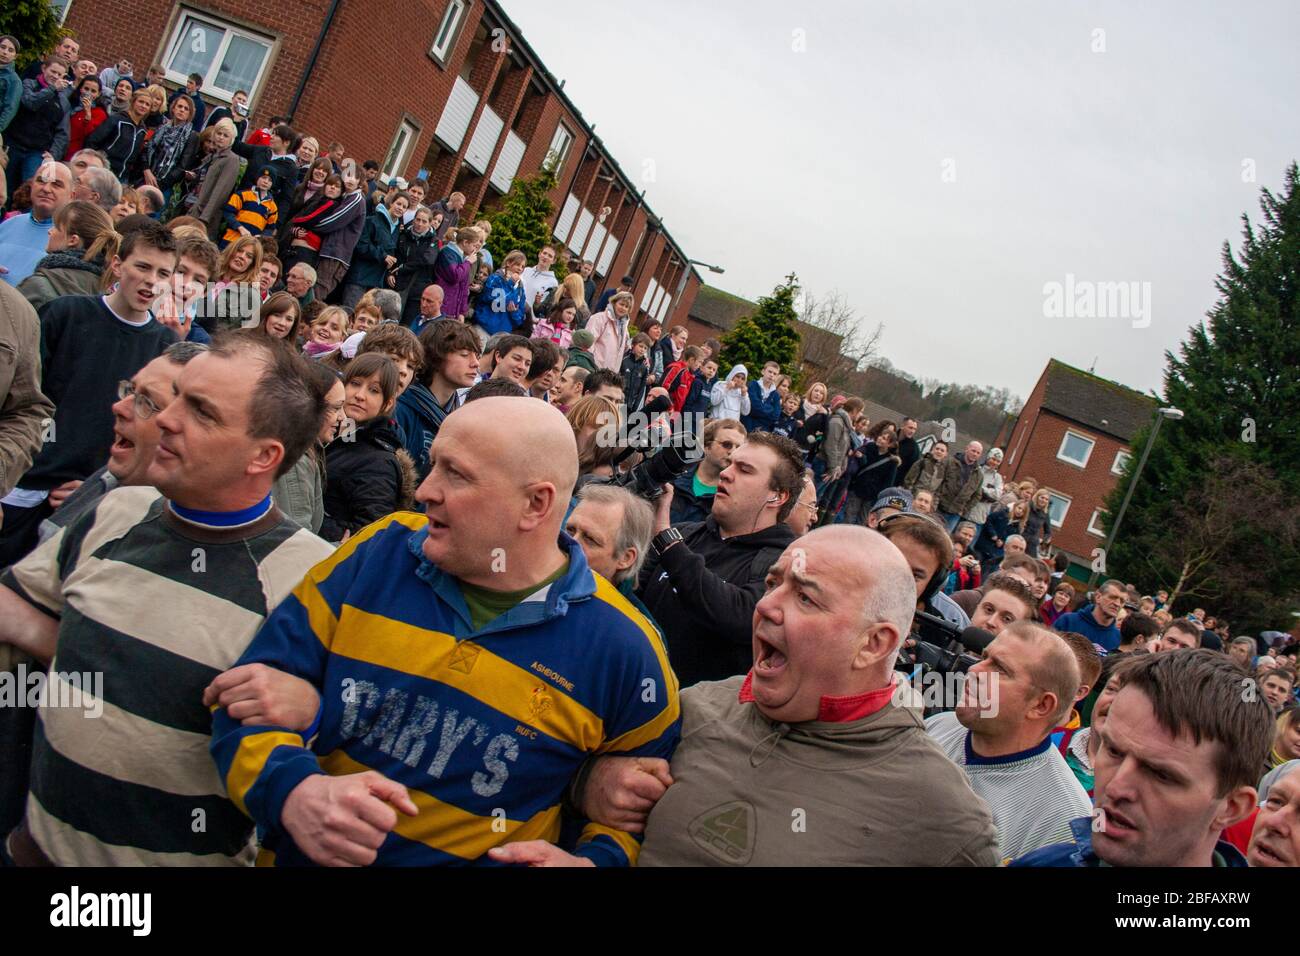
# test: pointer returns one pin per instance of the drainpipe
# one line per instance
(311, 60)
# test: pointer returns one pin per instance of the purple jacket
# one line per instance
(341, 229)
(451, 271)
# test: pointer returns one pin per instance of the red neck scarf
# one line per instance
(836, 710)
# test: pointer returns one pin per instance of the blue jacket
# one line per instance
(491, 310)
(480, 725)
(378, 239)
(419, 416)
(1082, 622)
(11, 94)
(687, 505)
(1081, 854)
(697, 399)
(763, 412)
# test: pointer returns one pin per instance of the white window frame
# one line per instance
(1094, 523)
(448, 29)
(1117, 467)
(395, 169)
(1068, 501)
(63, 11)
(209, 82)
(1060, 452)
(559, 154)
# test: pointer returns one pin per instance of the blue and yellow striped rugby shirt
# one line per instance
(485, 729)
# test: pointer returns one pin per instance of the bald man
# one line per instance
(467, 662)
(816, 757)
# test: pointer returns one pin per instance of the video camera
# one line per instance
(942, 646)
(657, 468)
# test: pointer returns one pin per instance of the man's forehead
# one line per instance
(1132, 722)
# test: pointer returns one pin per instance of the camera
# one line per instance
(647, 477)
(943, 647)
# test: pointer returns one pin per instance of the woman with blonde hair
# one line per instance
(231, 302)
(570, 288)
(588, 417)
(158, 98)
(82, 241)
(211, 176)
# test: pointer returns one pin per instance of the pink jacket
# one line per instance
(561, 335)
(611, 339)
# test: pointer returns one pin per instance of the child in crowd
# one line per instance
(635, 371)
(252, 212)
(557, 326)
(788, 423)
(680, 375)
(368, 473)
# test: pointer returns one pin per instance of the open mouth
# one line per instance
(770, 659)
(121, 445)
(436, 525)
(1117, 824)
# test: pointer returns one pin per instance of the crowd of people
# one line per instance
(380, 543)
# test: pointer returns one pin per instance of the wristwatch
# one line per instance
(664, 540)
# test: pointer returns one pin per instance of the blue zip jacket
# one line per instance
(11, 94)
(419, 416)
(1081, 854)
(698, 398)
(491, 312)
(378, 239)
(485, 728)
(763, 412)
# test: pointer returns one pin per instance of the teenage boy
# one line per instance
(450, 366)
(545, 368)
(512, 357)
(764, 400)
(90, 343)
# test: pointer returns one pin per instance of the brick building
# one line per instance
(447, 89)
(1074, 437)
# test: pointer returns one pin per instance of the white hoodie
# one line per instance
(730, 402)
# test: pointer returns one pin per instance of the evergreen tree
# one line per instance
(523, 220)
(768, 335)
(1235, 380)
(36, 26)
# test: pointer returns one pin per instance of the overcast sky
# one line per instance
(939, 163)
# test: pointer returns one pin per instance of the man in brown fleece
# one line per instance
(816, 757)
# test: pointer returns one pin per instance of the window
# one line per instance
(559, 151)
(1075, 449)
(1057, 508)
(1094, 524)
(448, 30)
(227, 57)
(395, 162)
(1121, 462)
(60, 8)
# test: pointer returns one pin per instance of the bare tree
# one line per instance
(846, 347)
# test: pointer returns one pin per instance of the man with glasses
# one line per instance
(89, 343)
(693, 492)
(149, 597)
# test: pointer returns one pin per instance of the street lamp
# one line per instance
(1171, 413)
(696, 262)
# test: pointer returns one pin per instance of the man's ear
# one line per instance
(542, 499)
(267, 458)
(879, 641)
(1236, 806)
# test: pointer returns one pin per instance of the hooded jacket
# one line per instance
(415, 258)
(876, 791)
(11, 94)
(730, 403)
(365, 479)
(419, 416)
(581, 358)
(611, 339)
(990, 491)
(703, 592)
(61, 273)
(635, 371)
(492, 310)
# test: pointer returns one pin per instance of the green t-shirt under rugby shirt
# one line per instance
(486, 605)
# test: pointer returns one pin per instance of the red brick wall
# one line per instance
(1086, 487)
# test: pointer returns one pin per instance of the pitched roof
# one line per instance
(1098, 403)
(722, 310)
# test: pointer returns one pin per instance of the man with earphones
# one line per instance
(702, 580)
